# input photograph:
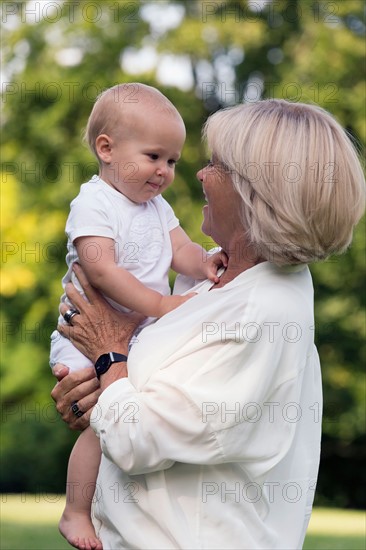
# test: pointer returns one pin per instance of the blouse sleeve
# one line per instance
(150, 430)
(221, 402)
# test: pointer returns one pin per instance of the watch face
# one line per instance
(103, 364)
(104, 361)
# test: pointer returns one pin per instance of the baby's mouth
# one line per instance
(154, 185)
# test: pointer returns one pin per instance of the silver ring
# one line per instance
(70, 313)
(75, 409)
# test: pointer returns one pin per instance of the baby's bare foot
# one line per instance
(78, 530)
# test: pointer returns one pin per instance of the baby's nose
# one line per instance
(161, 170)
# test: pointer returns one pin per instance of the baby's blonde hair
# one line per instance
(113, 108)
(297, 173)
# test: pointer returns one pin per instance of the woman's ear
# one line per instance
(103, 146)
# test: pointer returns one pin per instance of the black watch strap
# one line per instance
(104, 362)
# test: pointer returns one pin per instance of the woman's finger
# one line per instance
(92, 295)
(72, 381)
(86, 404)
(83, 335)
(78, 424)
(65, 330)
(81, 387)
(77, 300)
(60, 371)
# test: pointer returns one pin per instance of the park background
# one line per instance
(204, 55)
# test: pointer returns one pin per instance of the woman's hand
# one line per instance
(98, 328)
(81, 387)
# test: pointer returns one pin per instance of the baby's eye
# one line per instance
(172, 162)
(153, 156)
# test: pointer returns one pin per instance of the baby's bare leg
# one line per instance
(75, 524)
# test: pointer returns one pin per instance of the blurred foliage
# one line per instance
(56, 58)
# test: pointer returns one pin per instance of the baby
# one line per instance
(126, 238)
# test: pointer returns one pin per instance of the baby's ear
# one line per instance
(103, 146)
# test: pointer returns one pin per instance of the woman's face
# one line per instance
(221, 214)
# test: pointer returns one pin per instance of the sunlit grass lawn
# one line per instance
(29, 522)
(335, 529)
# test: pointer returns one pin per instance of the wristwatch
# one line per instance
(106, 360)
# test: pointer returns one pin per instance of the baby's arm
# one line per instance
(118, 284)
(191, 259)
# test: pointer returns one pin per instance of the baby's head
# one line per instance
(137, 136)
(117, 109)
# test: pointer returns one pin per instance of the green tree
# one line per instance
(57, 58)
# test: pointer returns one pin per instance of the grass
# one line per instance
(29, 522)
(335, 529)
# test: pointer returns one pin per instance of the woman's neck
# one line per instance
(240, 258)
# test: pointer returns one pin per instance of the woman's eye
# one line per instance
(209, 162)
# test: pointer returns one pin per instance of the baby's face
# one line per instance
(143, 164)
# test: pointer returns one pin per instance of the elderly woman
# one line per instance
(210, 432)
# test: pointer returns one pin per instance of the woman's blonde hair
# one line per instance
(298, 175)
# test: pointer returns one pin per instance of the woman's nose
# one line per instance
(199, 175)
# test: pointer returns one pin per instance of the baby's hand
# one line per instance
(168, 303)
(213, 263)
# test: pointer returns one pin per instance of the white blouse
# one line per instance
(213, 440)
